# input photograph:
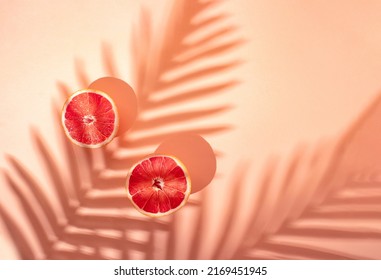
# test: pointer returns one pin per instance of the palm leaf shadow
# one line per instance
(63, 230)
(151, 69)
(149, 76)
(22, 244)
(341, 190)
(44, 219)
(151, 64)
(109, 61)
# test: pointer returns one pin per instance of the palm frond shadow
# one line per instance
(50, 228)
(93, 213)
(347, 193)
(22, 244)
(108, 61)
(153, 62)
(150, 82)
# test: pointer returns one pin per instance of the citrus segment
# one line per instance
(158, 185)
(90, 118)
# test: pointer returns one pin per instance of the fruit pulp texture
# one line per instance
(90, 118)
(158, 184)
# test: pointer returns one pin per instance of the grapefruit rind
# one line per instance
(116, 123)
(186, 193)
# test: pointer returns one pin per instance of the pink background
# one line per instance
(309, 69)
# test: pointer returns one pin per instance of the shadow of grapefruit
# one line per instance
(195, 153)
(123, 96)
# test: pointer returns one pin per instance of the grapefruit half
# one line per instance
(158, 185)
(90, 118)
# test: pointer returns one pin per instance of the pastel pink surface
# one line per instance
(309, 71)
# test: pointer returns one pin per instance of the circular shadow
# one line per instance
(195, 153)
(124, 98)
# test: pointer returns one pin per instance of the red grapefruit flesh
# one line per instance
(158, 185)
(90, 118)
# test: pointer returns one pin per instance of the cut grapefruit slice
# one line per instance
(90, 118)
(158, 185)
